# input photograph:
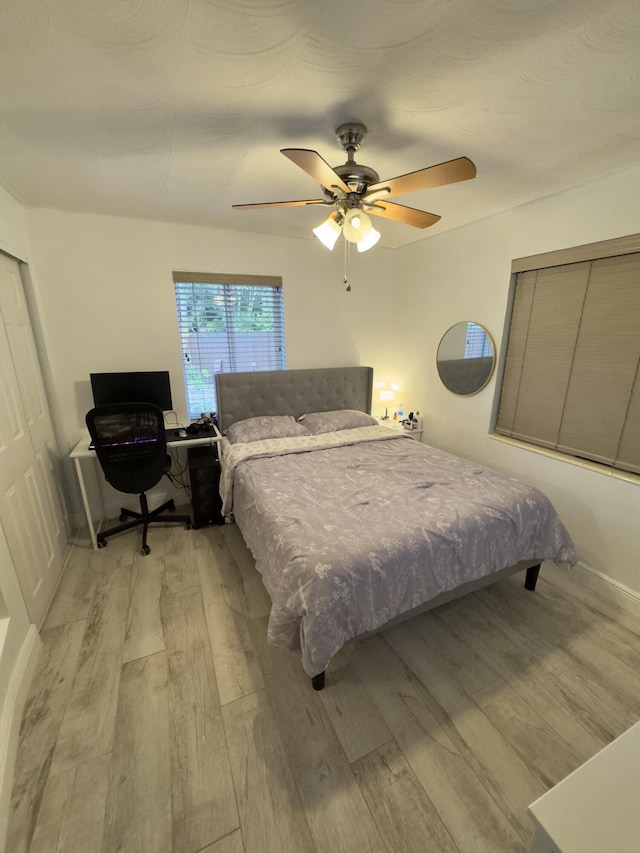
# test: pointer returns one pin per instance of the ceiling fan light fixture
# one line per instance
(369, 241)
(356, 226)
(328, 232)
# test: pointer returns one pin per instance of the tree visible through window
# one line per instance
(227, 324)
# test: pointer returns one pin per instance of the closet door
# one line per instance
(31, 509)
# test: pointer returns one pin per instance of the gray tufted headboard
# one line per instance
(292, 392)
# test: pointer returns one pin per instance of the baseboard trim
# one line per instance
(597, 589)
(10, 719)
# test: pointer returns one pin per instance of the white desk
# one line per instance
(81, 451)
(596, 809)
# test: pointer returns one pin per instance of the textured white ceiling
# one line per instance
(177, 109)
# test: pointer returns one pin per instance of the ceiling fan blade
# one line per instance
(400, 213)
(460, 169)
(300, 203)
(313, 164)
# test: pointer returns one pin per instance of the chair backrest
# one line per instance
(130, 444)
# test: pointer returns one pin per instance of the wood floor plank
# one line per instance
(231, 843)
(203, 804)
(404, 814)
(354, 717)
(180, 565)
(257, 600)
(560, 598)
(523, 671)
(600, 669)
(537, 742)
(143, 633)
(463, 663)
(549, 756)
(584, 685)
(138, 813)
(466, 807)
(271, 814)
(120, 549)
(509, 779)
(620, 637)
(41, 720)
(73, 596)
(237, 669)
(568, 583)
(238, 549)
(73, 810)
(87, 726)
(335, 809)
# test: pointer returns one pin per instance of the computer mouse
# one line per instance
(181, 433)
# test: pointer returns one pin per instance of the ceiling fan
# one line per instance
(354, 191)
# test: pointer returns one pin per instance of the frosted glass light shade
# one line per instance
(369, 241)
(356, 226)
(328, 232)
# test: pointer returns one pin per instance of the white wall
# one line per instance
(106, 290)
(13, 228)
(464, 275)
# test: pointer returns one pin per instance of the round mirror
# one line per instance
(466, 358)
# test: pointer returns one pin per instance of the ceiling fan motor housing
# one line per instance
(350, 137)
(358, 177)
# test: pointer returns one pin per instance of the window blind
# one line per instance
(227, 324)
(571, 378)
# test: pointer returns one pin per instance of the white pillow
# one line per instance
(264, 426)
(317, 422)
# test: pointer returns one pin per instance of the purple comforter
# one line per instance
(351, 529)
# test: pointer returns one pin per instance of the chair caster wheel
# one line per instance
(101, 543)
(145, 550)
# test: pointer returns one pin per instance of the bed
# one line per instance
(354, 526)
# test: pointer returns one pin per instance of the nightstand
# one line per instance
(415, 434)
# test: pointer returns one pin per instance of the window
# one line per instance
(478, 344)
(571, 377)
(227, 324)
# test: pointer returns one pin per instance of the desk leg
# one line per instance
(85, 501)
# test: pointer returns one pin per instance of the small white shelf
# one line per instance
(396, 426)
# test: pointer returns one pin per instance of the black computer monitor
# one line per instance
(150, 386)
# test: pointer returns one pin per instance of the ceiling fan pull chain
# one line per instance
(347, 265)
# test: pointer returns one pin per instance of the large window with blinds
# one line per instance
(228, 324)
(571, 379)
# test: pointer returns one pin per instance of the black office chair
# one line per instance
(131, 447)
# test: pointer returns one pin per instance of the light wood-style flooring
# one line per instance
(161, 722)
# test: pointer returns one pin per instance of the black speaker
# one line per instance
(204, 475)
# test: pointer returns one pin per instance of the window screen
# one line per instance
(571, 378)
(228, 324)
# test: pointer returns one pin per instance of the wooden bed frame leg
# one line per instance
(532, 577)
(317, 682)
